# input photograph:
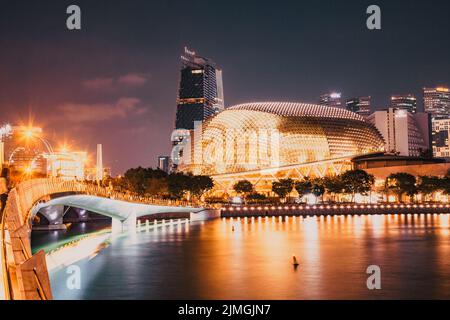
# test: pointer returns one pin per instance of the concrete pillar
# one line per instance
(54, 214)
(83, 215)
(116, 226)
(128, 225)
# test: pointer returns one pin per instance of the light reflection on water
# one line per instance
(211, 261)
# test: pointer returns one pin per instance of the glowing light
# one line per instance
(28, 133)
(311, 199)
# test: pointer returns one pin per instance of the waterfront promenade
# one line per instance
(333, 209)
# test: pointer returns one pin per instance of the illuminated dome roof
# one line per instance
(293, 109)
(263, 135)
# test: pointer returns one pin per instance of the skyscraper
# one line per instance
(164, 163)
(436, 101)
(404, 102)
(200, 93)
(441, 143)
(359, 105)
(200, 96)
(332, 99)
(404, 133)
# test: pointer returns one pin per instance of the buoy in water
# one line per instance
(294, 261)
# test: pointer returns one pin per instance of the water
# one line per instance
(211, 261)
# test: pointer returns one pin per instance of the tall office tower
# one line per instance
(359, 105)
(200, 96)
(200, 93)
(99, 167)
(164, 163)
(404, 102)
(404, 133)
(332, 99)
(436, 101)
(441, 143)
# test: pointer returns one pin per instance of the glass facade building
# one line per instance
(200, 93)
(441, 143)
(332, 99)
(436, 101)
(359, 105)
(256, 136)
(404, 102)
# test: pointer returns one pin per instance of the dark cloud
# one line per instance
(113, 84)
(91, 113)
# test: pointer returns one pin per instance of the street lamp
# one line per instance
(29, 133)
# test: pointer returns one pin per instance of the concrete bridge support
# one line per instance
(54, 215)
(128, 225)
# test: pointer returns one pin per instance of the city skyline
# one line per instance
(124, 89)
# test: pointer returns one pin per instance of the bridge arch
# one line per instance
(25, 276)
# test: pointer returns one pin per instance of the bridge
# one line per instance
(24, 276)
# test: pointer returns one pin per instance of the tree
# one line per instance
(318, 188)
(333, 185)
(429, 184)
(137, 179)
(200, 184)
(282, 187)
(256, 197)
(357, 181)
(401, 183)
(303, 187)
(243, 187)
(445, 184)
(157, 187)
(178, 184)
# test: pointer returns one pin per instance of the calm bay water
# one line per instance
(211, 261)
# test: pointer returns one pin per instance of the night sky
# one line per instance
(115, 81)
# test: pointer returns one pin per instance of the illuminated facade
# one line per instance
(200, 96)
(436, 101)
(23, 148)
(332, 99)
(200, 93)
(404, 101)
(405, 133)
(441, 144)
(67, 165)
(359, 105)
(277, 136)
